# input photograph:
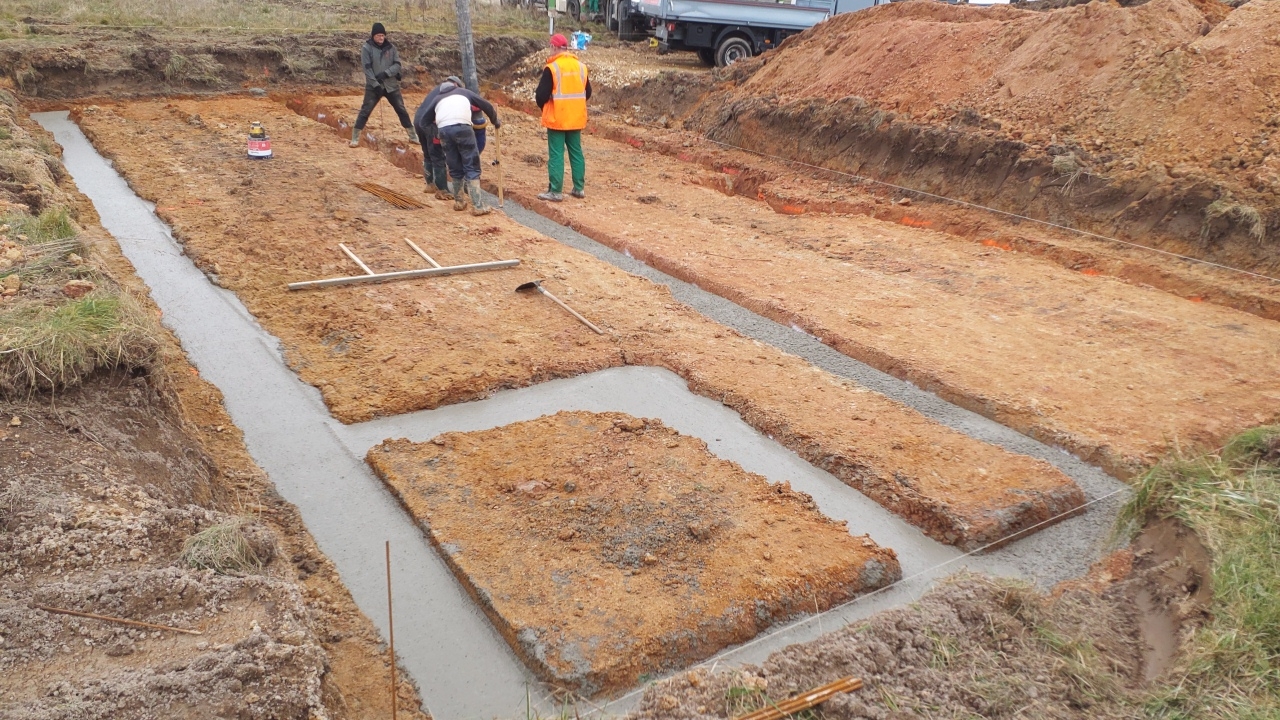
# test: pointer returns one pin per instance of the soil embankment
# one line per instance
(1109, 370)
(393, 348)
(108, 486)
(1153, 122)
(60, 62)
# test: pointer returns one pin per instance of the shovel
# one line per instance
(537, 285)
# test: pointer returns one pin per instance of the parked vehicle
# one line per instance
(723, 32)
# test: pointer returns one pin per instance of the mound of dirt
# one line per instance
(1165, 105)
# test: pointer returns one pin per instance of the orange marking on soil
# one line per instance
(990, 243)
(731, 170)
(1090, 272)
(791, 209)
(912, 222)
(635, 142)
(1196, 298)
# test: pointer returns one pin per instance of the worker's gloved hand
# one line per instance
(380, 76)
(496, 124)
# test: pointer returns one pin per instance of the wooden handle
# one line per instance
(497, 150)
(573, 312)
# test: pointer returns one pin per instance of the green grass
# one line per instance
(49, 226)
(1231, 499)
(53, 346)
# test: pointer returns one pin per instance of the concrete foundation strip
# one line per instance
(371, 276)
(122, 621)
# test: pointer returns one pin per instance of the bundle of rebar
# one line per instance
(800, 703)
(400, 200)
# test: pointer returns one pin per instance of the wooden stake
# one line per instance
(391, 634)
(122, 621)
(356, 260)
(497, 151)
(800, 703)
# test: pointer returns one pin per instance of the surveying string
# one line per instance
(964, 203)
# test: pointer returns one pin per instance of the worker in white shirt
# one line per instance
(451, 115)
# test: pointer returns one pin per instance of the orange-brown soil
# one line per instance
(605, 547)
(1114, 372)
(1154, 121)
(398, 347)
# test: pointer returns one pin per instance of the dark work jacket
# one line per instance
(428, 111)
(420, 123)
(383, 59)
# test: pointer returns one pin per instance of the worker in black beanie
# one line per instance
(381, 65)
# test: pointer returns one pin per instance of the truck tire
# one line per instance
(707, 56)
(575, 10)
(611, 15)
(732, 49)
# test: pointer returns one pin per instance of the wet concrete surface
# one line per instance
(462, 666)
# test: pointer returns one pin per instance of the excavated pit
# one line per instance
(292, 436)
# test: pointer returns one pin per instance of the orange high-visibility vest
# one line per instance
(567, 109)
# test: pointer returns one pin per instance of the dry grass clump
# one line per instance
(1244, 215)
(235, 547)
(50, 347)
(1230, 669)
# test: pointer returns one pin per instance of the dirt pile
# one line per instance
(1135, 119)
(62, 62)
(605, 547)
(975, 647)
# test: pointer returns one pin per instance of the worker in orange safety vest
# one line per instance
(562, 94)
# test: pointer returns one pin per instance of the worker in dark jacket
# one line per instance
(434, 169)
(451, 113)
(382, 75)
(562, 94)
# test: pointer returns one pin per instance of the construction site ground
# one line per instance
(393, 348)
(1113, 371)
(607, 547)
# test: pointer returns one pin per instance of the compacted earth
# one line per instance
(1114, 371)
(606, 547)
(255, 226)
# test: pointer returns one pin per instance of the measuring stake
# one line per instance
(497, 151)
(391, 634)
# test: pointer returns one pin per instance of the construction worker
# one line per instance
(434, 167)
(381, 64)
(451, 113)
(562, 94)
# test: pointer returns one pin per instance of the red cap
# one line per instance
(559, 40)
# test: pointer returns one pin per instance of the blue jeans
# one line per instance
(460, 151)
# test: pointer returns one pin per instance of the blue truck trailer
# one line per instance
(722, 31)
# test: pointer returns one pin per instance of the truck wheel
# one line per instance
(575, 10)
(707, 56)
(731, 50)
(611, 15)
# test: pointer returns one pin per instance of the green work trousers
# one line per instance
(557, 140)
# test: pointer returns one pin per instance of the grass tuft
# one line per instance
(226, 548)
(1245, 215)
(49, 347)
(1231, 499)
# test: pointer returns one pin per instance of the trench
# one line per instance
(460, 663)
